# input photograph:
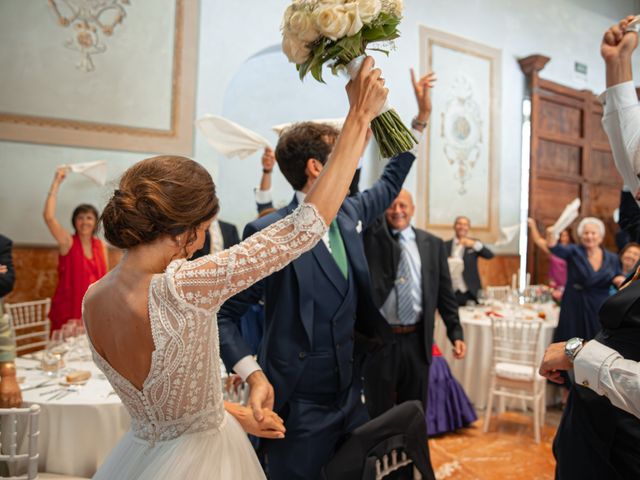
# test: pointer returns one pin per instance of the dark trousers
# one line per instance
(316, 427)
(397, 374)
(596, 440)
(464, 298)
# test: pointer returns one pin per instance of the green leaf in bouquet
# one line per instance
(374, 33)
(316, 71)
(352, 46)
(303, 68)
(381, 50)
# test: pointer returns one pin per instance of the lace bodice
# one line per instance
(183, 391)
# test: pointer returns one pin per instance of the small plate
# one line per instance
(64, 383)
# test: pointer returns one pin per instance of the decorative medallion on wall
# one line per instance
(89, 19)
(458, 167)
(461, 131)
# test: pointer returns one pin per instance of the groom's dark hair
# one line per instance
(298, 144)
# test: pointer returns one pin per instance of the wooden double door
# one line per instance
(570, 158)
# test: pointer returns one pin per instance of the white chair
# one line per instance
(30, 322)
(516, 344)
(9, 444)
(9, 418)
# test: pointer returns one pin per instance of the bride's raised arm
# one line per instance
(209, 281)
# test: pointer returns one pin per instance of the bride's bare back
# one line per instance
(116, 314)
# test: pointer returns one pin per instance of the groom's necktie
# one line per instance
(337, 248)
(404, 284)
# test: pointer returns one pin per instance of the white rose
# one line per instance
(353, 14)
(302, 25)
(332, 21)
(369, 10)
(286, 17)
(295, 49)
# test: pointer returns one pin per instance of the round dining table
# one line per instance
(474, 371)
(79, 425)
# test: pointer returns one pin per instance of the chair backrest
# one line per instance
(499, 294)
(393, 444)
(392, 462)
(9, 418)
(516, 341)
(31, 325)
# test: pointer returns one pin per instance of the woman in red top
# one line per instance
(82, 256)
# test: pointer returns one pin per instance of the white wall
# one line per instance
(235, 41)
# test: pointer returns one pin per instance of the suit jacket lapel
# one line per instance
(424, 249)
(351, 240)
(329, 266)
(302, 266)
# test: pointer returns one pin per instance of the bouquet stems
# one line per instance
(392, 135)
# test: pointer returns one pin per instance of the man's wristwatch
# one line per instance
(417, 124)
(572, 347)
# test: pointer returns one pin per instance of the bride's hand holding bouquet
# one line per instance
(338, 33)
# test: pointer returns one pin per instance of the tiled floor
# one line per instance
(506, 452)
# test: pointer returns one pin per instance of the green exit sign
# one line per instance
(580, 68)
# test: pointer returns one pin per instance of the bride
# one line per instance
(152, 320)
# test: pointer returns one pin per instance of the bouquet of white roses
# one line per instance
(338, 32)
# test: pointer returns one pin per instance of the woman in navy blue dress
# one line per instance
(591, 270)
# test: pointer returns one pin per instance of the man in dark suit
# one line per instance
(7, 274)
(467, 283)
(318, 314)
(410, 278)
(225, 235)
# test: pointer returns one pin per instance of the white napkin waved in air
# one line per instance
(96, 171)
(568, 215)
(507, 234)
(229, 138)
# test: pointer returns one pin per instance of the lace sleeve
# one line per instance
(212, 279)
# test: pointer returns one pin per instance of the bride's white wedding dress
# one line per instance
(179, 428)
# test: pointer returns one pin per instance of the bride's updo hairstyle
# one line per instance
(165, 195)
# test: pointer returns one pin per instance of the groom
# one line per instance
(312, 308)
(319, 315)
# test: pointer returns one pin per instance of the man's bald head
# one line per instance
(401, 211)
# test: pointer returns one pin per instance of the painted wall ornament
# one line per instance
(89, 19)
(461, 130)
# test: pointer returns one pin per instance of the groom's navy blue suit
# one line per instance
(312, 313)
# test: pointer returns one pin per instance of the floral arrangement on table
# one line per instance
(337, 33)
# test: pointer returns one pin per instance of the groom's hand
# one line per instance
(617, 42)
(261, 394)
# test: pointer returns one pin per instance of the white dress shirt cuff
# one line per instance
(263, 196)
(478, 246)
(619, 96)
(246, 366)
(418, 136)
(591, 359)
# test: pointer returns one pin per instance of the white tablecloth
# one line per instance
(474, 371)
(78, 431)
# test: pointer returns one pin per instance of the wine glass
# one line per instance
(481, 297)
(57, 346)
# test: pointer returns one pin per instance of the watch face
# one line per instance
(573, 343)
(572, 346)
